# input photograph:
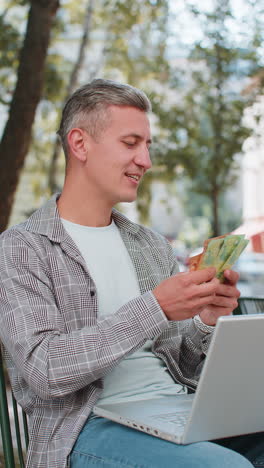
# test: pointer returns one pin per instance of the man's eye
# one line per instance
(129, 143)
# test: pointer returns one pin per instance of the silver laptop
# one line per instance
(229, 399)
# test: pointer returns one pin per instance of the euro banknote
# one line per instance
(220, 252)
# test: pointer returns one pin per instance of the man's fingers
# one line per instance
(207, 289)
(210, 314)
(232, 276)
(202, 276)
(201, 302)
(227, 290)
(206, 274)
(225, 302)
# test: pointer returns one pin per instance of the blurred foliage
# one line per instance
(196, 91)
(136, 39)
(10, 42)
(205, 125)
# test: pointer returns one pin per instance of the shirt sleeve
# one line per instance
(54, 360)
(185, 345)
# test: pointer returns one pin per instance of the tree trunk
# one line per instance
(30, 79)
(73, 82)
(215, 221)
(218, 138)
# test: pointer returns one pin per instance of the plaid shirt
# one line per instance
(57, 352)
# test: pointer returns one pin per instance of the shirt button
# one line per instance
(92, 293)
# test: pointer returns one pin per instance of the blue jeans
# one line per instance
(105, 444)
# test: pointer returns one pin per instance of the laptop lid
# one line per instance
(229, 397)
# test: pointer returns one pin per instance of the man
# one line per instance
(92, 305)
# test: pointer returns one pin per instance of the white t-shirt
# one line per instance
(141, 374)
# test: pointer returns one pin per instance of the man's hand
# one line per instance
(186, 294)
(224, 301)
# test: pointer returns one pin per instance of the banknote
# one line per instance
(220, 252)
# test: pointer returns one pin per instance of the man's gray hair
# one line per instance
(87, 108)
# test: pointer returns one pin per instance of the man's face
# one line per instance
(118, 159)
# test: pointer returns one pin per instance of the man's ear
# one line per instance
(78, 144)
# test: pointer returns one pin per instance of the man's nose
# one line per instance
(143, 158)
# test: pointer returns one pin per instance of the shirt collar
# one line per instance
(46, 221)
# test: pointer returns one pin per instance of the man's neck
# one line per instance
(83, 210)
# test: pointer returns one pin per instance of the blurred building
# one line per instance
(253, 177)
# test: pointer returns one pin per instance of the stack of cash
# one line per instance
(220, 252)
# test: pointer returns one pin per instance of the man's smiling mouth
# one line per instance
(133, 176)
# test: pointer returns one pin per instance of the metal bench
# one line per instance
(13, 421)
(250, 305)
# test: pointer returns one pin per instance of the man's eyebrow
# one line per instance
(137, 136)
